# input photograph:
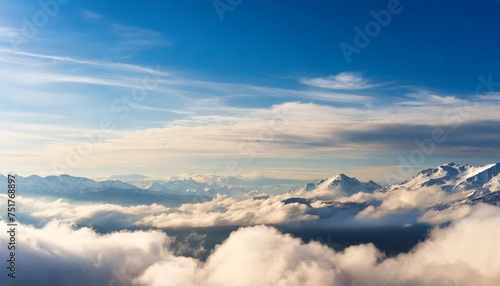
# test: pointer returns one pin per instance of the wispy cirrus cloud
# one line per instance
(341, 81)
(192, 118)
(21, 55)
(136, 37)
(422, 97)
(128, 37)
(491, 96)
(7, 34)
(91, 16)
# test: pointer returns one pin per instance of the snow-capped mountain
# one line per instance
(442, 187)
(84, 189)
(176, 186)
(65, 184)
(452, 177)
(139, 189)
(190, 186)
(337, 186)
(210, 185)
(210, 179)
(462, 184)
(466, 184)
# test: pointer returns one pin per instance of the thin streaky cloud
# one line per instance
(341, 81)
(113, 65)
(25, 114)
(492, 96)
(138, 37)
(44, 78)
(7, 34)
(424, 97)
(91, 16)
(248, 90)
(167, 110)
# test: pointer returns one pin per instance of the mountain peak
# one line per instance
(343, 177)
(337, 186)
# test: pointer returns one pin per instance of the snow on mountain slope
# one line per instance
(115, 184)
(190, 186)
(209, 179)
(461, 184)
(210, 185)
(56, 184)
(455, 178)
(470, 171)
(205, 190)
(493, 184)
(178, 186)
(482, 178)
(335, 187)
(446, 185)
(65, 184)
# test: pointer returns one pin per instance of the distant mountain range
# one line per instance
(84, 189)
(137, 189)
(471, 184)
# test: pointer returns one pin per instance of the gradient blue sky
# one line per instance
(266, 91)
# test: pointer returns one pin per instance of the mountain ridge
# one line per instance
(474, 184)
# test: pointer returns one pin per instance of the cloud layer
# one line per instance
(223, 210)
(220, 211)
(196, 123)
(464, 253)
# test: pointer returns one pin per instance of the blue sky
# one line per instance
(265, 91)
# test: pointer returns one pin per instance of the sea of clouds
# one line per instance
(57, 245)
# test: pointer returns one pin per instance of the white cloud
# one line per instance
(402, 201)
(220, 211)
(196, 123)
(442, 216)
(269, 258)
(135, 37)
(36, 78)
(61, 255)
(344, 80)
(91, 16)
(42, 211)
(74, 213)
(55, 58)
(425, 97)
(223, 210)
(464, 253)
(178, 272)
(491, 96)
(299, 130)
(8, 35)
